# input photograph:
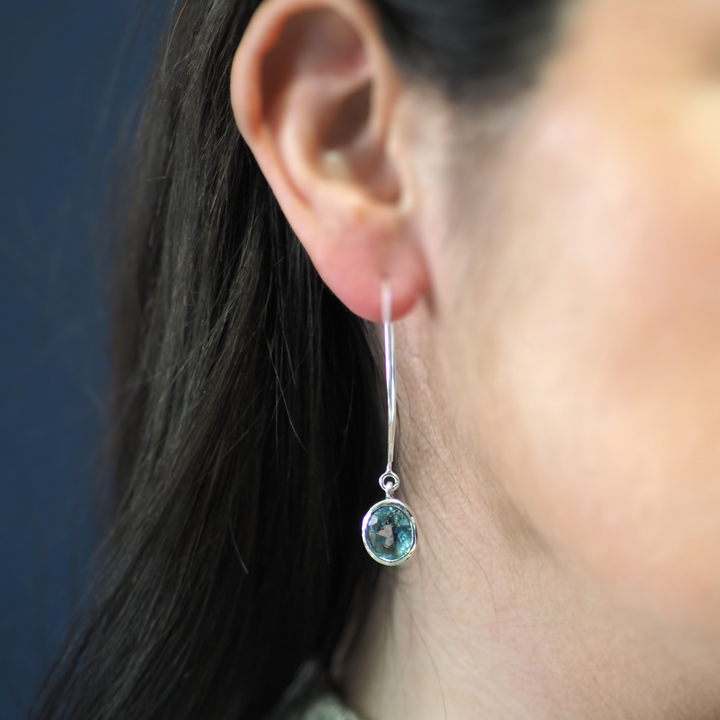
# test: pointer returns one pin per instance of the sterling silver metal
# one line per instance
(389, 481)
(389, 333)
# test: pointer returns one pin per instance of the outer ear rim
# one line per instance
(402, 266)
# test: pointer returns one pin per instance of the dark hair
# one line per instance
(248, 411)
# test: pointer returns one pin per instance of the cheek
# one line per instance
(602, 354)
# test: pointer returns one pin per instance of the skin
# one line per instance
(555, 268)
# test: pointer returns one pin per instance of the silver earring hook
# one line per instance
(389, 482)
(389, 530)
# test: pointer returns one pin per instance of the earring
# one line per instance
(389, 531)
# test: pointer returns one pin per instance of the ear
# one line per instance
(315, 93)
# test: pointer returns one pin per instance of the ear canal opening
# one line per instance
(349, 120)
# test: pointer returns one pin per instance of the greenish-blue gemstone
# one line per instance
(390, 532)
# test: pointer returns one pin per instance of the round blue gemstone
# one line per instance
(390, 532)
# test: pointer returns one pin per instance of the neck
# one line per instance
(485, 621)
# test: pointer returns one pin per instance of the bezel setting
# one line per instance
(402, 507)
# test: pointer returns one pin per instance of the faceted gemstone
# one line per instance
(390, 533)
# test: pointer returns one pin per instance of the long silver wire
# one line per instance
(389, 370)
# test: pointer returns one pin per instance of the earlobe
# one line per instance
(314, 92)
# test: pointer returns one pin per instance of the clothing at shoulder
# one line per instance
(312, 696)
(328, 707)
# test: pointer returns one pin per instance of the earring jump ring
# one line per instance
(389, 487)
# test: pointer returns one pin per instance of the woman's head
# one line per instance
(536, 180)
(553, 248)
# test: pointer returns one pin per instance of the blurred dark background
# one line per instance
(71, 77)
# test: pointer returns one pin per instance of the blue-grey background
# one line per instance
(71, 73)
